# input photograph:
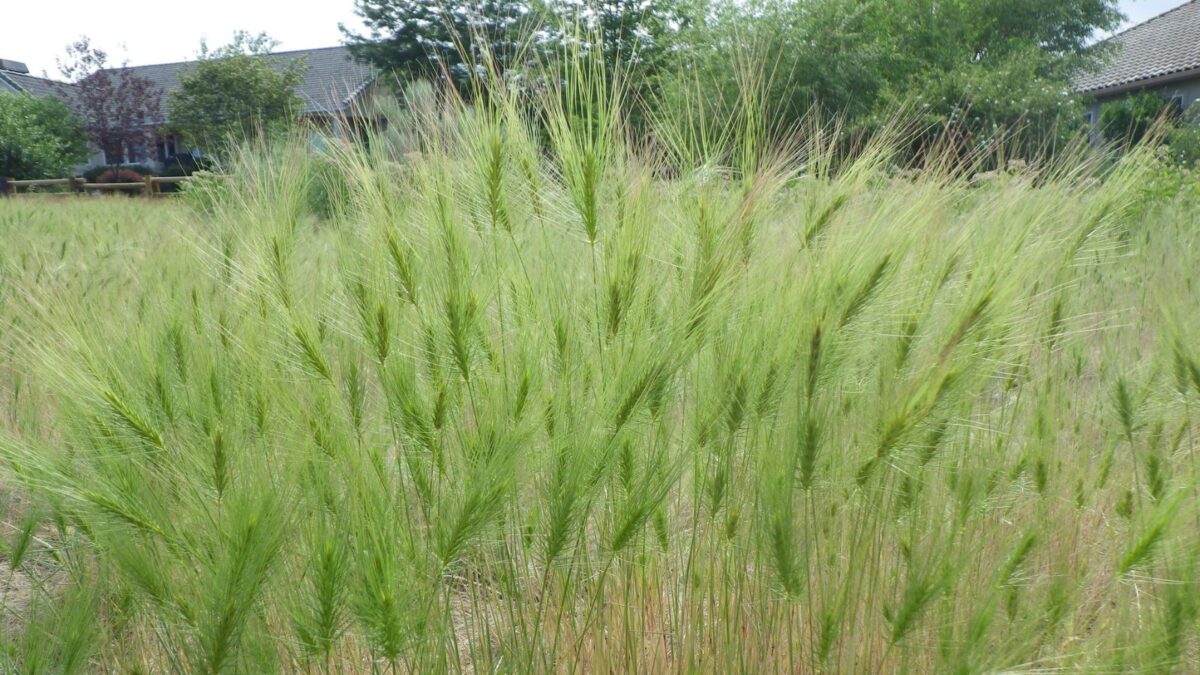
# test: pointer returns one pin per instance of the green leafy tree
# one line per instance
(634, 35)
(235, 92)
(994, 68)
(952, 33)
(982, 66)
(438, 39)
(40, 137)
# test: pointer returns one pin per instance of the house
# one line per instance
(335, 90)
(15, 79)
(1161, 55)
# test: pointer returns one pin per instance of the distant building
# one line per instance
(334, 90)
(15, 79)
(1161, 55)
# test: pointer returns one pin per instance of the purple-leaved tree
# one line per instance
(120, 109)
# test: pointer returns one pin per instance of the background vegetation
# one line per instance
(39, 137)
(232, 94)
(985, 67)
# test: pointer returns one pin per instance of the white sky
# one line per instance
(1140, 10)
(160, 31)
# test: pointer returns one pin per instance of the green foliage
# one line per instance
(234, 92)
(493, 406)
(39, 138)
(636, 38)
(1183, 140)
(206, 191)
(1127, 120)
(457, 41)
(1005, 101)
(984, 70)
(442, 40)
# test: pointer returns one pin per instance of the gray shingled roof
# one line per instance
(35, 85)
(332, 81)
(1165, 46)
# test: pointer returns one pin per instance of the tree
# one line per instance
(234, 92)
(118, 107)
(439, 40)
(983, 66)
(39, 137)
(635, 35)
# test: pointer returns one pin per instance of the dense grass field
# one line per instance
(458, 404)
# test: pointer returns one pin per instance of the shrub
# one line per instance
(234, 92)
(1128, 120)
(182, 165)
(205, 191)
(135, 172)
(1184, 139)
(39, 138)
(121, 175)
(185, 165)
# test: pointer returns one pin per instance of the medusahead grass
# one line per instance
(461, 401)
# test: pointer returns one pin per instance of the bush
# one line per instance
(205, 191)
(1127, 121)
(39, 138)
(231, 93)
(119, 176)
(182, 165)
(185, 165)
(1184, 140)
(133, 172)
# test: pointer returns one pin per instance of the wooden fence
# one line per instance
(150, 187)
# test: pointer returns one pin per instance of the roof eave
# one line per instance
(362, 88)
(1115, 90)
(10, 84)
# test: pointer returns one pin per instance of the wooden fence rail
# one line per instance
(150, 187)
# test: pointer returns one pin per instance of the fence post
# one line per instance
(4, 187)
(149, 186)
(77, 184)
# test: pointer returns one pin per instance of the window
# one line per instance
(166, 147)
(114, 155)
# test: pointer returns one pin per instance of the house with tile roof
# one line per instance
(333, 93)
(15, 79)
(1161, 55)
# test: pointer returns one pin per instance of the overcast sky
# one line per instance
(153, 31)
(1140, 10)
